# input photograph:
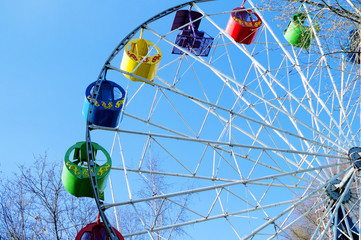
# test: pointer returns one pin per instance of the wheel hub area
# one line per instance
(336, 188)
(335, 192)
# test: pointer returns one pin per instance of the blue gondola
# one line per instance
(352, 48)
(107, 106)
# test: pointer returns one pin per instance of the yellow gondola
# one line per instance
(138, 60)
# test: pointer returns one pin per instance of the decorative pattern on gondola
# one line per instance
(119, 103)
(103, 170)
(95, 103)
(73, 168)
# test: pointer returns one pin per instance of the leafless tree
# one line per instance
(34, 204)
(306, 226)
(335, 18)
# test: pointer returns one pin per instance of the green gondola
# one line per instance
(298, 32)
(75, 176)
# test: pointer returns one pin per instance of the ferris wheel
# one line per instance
(219, 124)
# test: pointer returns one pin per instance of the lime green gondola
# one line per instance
(298, 33)
(75, 176)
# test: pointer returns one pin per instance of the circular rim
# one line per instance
(335, 146)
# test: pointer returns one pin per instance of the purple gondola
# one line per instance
(183, 17)
(197, 42)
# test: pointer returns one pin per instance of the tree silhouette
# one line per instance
(34, 204)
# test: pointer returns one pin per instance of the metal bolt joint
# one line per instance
(354, 155)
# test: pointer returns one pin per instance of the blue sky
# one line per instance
(50, 52)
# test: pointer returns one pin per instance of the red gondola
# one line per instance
(243, 25)
(96, 231)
